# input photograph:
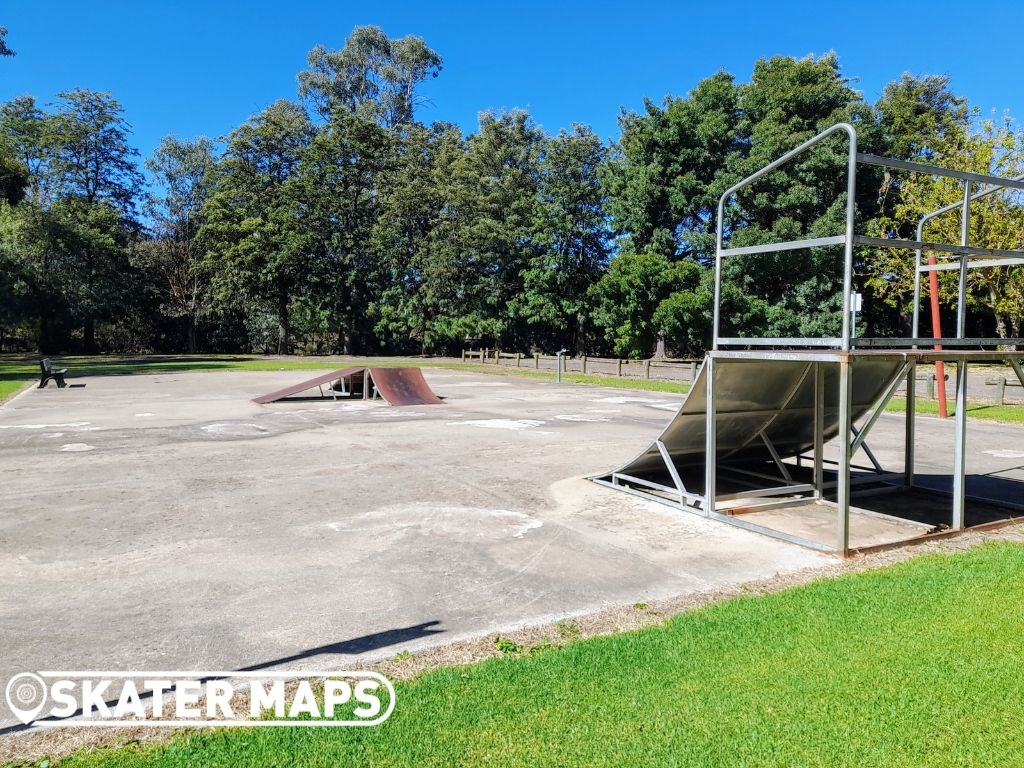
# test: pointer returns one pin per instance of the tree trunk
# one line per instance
(89, 336)
(190, 331)
(282, 324)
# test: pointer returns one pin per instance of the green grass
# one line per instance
(916, 664)
(1009, 414)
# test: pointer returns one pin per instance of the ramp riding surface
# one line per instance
(403, 386)
(302, 386)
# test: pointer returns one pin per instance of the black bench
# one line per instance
(49, 372)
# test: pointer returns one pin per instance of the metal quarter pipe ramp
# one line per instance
(403, 386)
(398, 386)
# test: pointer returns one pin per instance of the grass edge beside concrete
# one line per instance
(523, 646)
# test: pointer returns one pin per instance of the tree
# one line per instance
(673, 163)
(254, 242)
(372, 75)
(486, 240)
(182, 181)
(96, 178)
(411, 308)
(4, 50)
(626, 299)
(997, 221)
(573, 238)
(338, 183)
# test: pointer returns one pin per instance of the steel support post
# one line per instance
(965, 229)
(819, 430)
(960, 448)
(710, 438)
(910, 419)
(843, 468)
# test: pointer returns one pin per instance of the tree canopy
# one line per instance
(341, 221)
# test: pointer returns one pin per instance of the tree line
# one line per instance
(340, 222)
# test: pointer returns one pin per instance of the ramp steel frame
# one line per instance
(846, 353)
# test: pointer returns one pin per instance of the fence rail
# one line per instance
(665, 370)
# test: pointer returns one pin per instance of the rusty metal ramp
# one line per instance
(318, 382)
(398, 386)
(403, 386)
(762, 406)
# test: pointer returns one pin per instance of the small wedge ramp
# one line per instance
(398, 386)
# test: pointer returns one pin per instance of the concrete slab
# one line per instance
(166, 521)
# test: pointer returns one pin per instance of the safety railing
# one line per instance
(961, 256)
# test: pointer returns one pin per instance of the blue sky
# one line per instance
(201, 68)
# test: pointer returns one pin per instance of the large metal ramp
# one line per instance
(760, 405)
(751, 434)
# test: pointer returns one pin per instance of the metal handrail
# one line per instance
(847, 242)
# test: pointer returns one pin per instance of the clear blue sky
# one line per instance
(200, 68)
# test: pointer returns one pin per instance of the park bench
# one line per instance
(47, 372)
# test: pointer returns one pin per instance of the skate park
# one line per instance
(189, 508)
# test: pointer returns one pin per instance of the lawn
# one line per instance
(1008, 414)
(916, 664)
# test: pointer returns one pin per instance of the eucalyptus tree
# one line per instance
(373, 75)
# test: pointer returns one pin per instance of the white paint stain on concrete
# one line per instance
(234, 430)
(76, 447)
(581, 417)
(1005, 453)
(515, 425)
(143, 415)
(51, 435)
(476, 384)
(44, 426)
(450, 523)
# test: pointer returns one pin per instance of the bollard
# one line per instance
(618, 368)
(647, 369)
(693, 370)
(519, 356)
(931, 386)
(536, 360)
(584, 359)
(1000, 390)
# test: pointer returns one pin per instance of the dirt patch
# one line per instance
(28, 748)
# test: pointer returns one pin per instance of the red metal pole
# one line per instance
(940, 371)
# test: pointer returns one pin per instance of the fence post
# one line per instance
(1000, 390)
(519, 356)
(931, 386)
(693, 370)
(647, 369)
(463, 356)
(618, 367)
(584, 364)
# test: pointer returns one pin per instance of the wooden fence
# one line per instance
(669, 370)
